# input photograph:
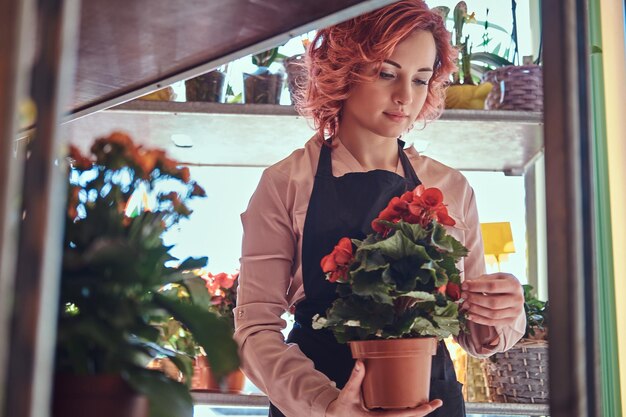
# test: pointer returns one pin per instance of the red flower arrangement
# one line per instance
(401, 280)
(222, 288)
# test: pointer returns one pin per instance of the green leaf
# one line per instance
(167, 397)
(421, 295)
(398, 246)
(369, 283)
(445, 242)
(211, 332)
(196, 287)
(193, 263)
(428, 272)
(370, 260)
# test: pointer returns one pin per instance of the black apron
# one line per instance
(345, 207)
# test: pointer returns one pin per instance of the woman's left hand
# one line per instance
(493, 299)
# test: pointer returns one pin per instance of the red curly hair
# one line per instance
(338, 56)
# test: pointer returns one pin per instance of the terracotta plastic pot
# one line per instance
(397, 371)
(96, 396)
(203, 379)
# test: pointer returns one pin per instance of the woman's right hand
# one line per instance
(349, 402)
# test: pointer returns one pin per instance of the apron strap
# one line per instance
(409, 172)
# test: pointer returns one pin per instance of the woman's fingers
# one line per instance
(419, 411)
(493, 301)
(352, 389)
(490, 320)
(505, 313)
(500, 283)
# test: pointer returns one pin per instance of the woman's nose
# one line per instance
(402, 94)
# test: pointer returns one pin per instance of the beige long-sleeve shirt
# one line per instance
(270, 279)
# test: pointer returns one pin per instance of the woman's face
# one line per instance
(389, 105)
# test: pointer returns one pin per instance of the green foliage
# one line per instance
(536, 312)
(111, 312)
(394, 286)
(266, 58)
(471, 65)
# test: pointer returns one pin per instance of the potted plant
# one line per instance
(216, 293)
(520, 375)
(464, 92)
(263, 85)
(114, 262)
(221, 289)
(209, 87)
(398, 293)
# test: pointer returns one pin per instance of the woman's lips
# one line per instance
(396, 117)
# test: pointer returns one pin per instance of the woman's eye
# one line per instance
(386, 75)
(420, 82)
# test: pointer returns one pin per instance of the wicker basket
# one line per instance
(515, 88)
(519, 375)
(475, 390)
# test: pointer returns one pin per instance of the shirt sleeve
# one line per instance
(482, 341)
(279, 369)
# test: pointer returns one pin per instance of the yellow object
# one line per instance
(497, 239)
(164, 94)
(27, 113)
(467, 96)
(458, 357)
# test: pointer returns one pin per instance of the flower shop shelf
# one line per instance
(127, 49)
(257, 135)
(261, 401)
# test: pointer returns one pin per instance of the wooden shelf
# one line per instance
(261, 401)
(127, 49)
(253, 135)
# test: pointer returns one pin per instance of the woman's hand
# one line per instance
(493, 299)
(349, 403)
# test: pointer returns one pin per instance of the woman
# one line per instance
(370, 79)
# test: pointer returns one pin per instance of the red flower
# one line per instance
(444, 218)
(442, 290)
(336, 263)
(430, 198)
(420, 206)
(453, 291)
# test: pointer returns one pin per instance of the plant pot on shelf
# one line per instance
(397, 371)
(209, 87)
(515, 88)
(296, 76)
(262, 86)
(519, 375)
(467, 96)
(203, 379)
(164, 94)
(96, 396)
